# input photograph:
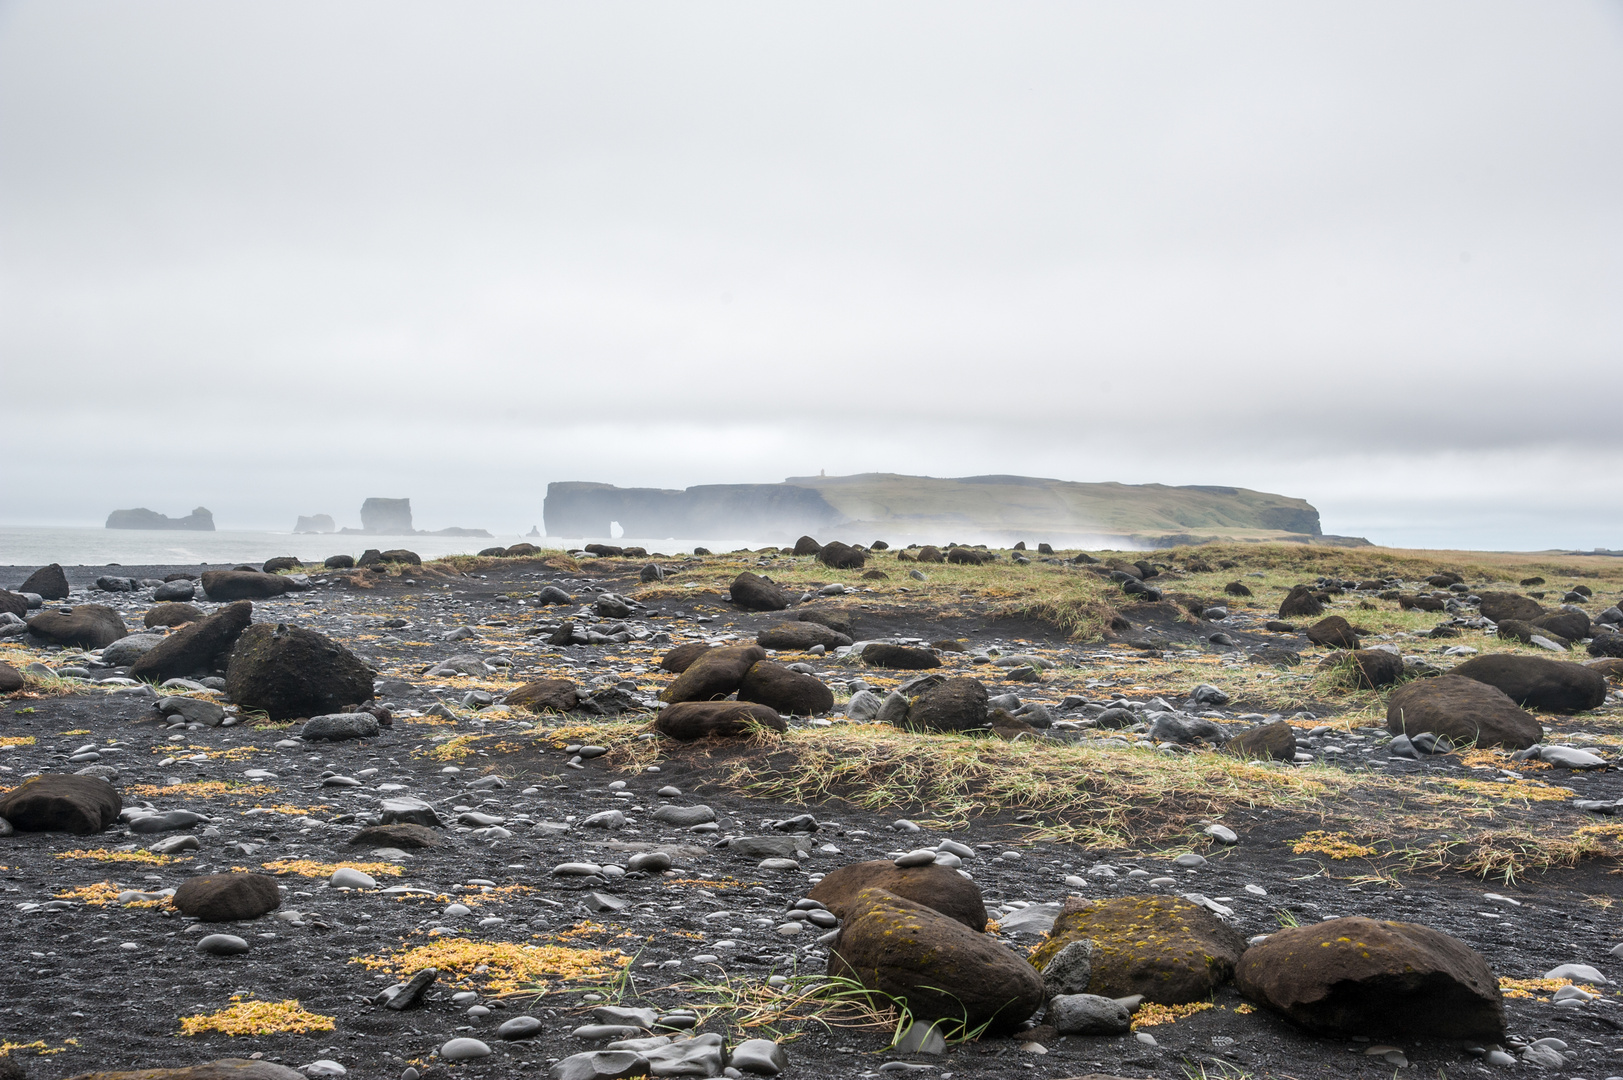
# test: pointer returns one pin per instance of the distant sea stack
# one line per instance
(316, 523)
(199, 520)
(931, 509)
(391, 517)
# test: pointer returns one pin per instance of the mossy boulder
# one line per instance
(1164, 947)
(941, 968)
(937, 887)
(288, 672)
(689, 720)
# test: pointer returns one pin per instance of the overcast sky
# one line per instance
(273, 258)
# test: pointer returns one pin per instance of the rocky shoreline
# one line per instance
(590, 880)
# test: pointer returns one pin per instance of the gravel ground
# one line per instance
(103, 985)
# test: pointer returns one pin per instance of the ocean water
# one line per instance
(37, 545)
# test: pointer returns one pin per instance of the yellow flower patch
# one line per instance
(313, 869)
(198, 789)
(258, 1018)
(1336, 845)
(1528, 790)
(104, 893)
(1531, 988)
(505, 966)
(1152, 1015)
(16, 740)
(109, 855)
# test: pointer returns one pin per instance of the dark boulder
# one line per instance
(1568, 625)
(1274, 741)
(1465, 710)
(201, 646)
(1333, 632)
(492, 552)
(339, 562)
(970, 556)
(221, 1069)
(340, 727)
(800, 635)
(11, 680)
(715, 674)
(940, 968)
(1301, 603)
(48, 582)
(545, 695)
(279, 564)
(791, 693)
(838, 556)
(836, 619)
(681, 658)
(955, 705)
(938, 887)
(604, 551)
(13, 604)
(289, 672)
(691, 720)
(930, 553)
(175, 591)
(1500, 606)
(522, 550)
(400, 557)
(62, 802)
(1606, 645)
(399, 834)
(1163, 947)
(1368, 669)
(1525, 632)
(229, 897)
(222, 585)
(1357, 976)
(807, 546)
(1237, 588)
(172, 615)
(900, 657)
(1557, 685)
(84, 626)
(754, 593)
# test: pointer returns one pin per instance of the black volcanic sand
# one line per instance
(105, 986)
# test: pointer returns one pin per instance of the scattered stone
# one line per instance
(60, 802)
(230, 897)
(759, 1057)
(1275, 740)
(902, 657)
(1088, 1014)
(222, 945)
(464, 1049)
(337, 727)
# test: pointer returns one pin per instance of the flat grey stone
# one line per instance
(760, 1057)
(464, 1049)
(519, 1027)
(222, 945)
(683, 816)
(1088, 1014)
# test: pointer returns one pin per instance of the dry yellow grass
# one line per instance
(504, 967)
(258, 1018)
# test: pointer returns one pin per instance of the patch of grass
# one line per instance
(1101, 796)
(1531, 988)
(198, 789)
(248, 1017)
(106, 893)
(753, 1005)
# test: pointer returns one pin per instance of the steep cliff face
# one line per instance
(764, 511)
(199, 520)
(315, 523)
(391, 517)
(928, 509)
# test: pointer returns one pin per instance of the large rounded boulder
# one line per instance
(681, 658)
(755, 593)
(545, 695)
(899, 657)
(1500, 606)
(83, 626)
(714, 674)
(1367, 669)
(288, 671)
(1333, 632)
(225, 585)
(793, 693)
(173, 615)
(938, 887)
(940, 968)
(1357, 976)
(690, 720)
(231, 897)
(955, 705)
(1557, 685)
(838, 556)
(222, 1069)
(1300, 603)
(1465, 710)
(198, 648)
(800, 636)
(48, 582)
(1164, 947)
(62, 802)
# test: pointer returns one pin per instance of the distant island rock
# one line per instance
(933, 509)
(316, 523)
(392, 517)
(199, 520)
